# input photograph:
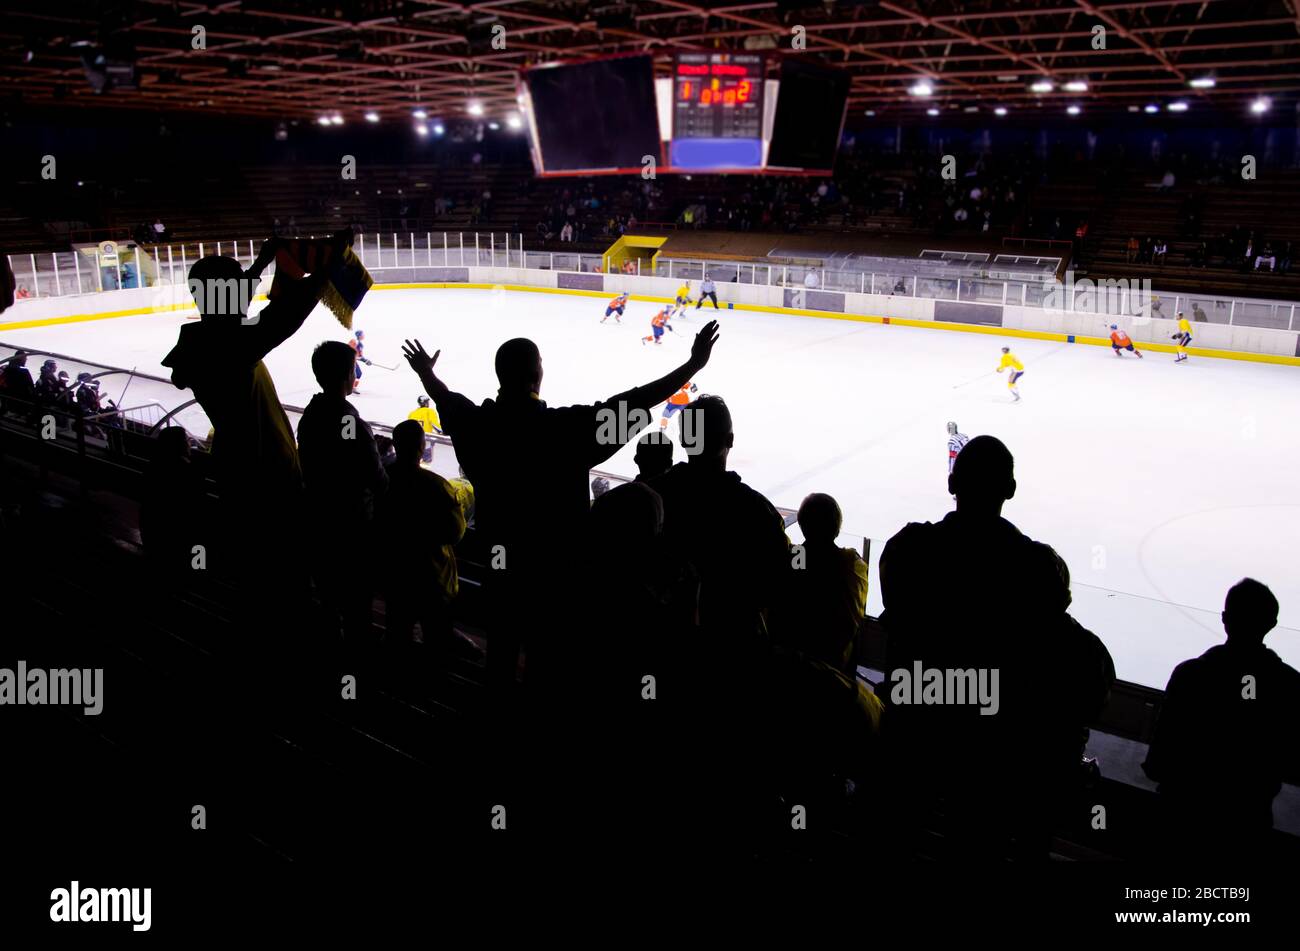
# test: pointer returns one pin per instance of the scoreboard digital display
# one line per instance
(717, 110)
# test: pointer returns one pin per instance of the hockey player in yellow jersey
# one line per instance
(428, 419)
(1012, 362)
(1183, 337)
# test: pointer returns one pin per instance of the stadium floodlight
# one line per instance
(1150, 108)
(439, 128)
(1076, 85)
(971, 109)
(1132, 108)
(494, 125)
(1202, 82)
(421, 129)
(474, 108)
(1000, 111)
(1177, 106)
(871, 112)
(372, 116)
(1261, 105)
(932, 112)
(1043, 85)
(921, 88)
(324, 120)
(1073, 110)
(336, 119)
(419, 114)
(514, 121)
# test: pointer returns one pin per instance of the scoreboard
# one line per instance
(717, 111)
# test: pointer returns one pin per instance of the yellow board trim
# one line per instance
(1273, 358)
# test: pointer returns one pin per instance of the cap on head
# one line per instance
(952, 429)
(422, 400)
(1006, 349)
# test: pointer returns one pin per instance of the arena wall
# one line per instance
(1217, 340)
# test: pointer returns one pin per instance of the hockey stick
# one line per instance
(381, 366)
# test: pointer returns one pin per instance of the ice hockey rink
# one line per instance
(1160, 484)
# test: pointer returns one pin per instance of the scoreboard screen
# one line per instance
(717, 111)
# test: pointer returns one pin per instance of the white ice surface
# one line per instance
(1161, 485)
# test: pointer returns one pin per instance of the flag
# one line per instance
(348, 278)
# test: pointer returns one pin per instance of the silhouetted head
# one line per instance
(820, 519)
(626, 520)
(334, 365)
(1249, 612)
(1049, 578)
(519, 367)
(408, 442)
(654, 454)
(19, 359)
(706, 431)
(983, 476)
(599, 486)
(172, 445)
(219, 287)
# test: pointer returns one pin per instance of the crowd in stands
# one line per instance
(71, 403)
(684, 664)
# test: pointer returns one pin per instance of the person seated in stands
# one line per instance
(173, 504)
(255, 458)
(518, 433)
(90, 403)
(22, 293)
(654, 455)
(1160, 251)
(824, 602)
(1266, 256)
(1131, 249)
(948, 609)
(418, 523)
(342, 476)
(1225, 738)
(731, 534)
(17, 386)
(51, 384)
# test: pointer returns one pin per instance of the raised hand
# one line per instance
(418, 358)
(702, 348)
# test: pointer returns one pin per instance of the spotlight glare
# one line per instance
(1202, 82)
(475, 108)
(372, 116)
(1000, 111)
(1076, 85)
(419, 114)
(421, 129)
(1177, 107)
(1073, 110)
(514, 121)
(921, 88)
(1150, 108)
(1261, 105)
(932, 112)
(1043, 85)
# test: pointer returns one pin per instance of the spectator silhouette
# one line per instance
(950, 605)
(419, 521)
(654, 455)
(825, 595)
(731, 534)
(342, 476)
(530, 464)
(254, 457)
(19, 390)
(173, 508)
(7, 284)
(1225, 739)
